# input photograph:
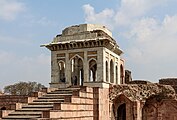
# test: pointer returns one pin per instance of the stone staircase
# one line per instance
(74, 103)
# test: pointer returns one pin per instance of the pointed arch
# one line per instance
(92, 70)
(121, 74)
(61, 66)
(77, 71)
(76, 55)
(116, 74)
(121, 112)
(106, 71)
(111, 71)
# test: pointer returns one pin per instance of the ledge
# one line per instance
(96, 84)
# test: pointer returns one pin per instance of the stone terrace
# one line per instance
(69, 103)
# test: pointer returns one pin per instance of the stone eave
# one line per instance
(88, 43)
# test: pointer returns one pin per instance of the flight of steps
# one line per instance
(74, 103)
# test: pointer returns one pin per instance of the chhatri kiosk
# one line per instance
(85, 55)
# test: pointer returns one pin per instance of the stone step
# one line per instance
(38, 106)
(81, 100)
(78, 118)
(71, 113)
(69, 88)
(64, 90)
(41, 103)
(48, 100)
(60, 92)
(25, 113)
(34, 109)
(57, 95)
(51, 96)
(73, 107)
(21, 117)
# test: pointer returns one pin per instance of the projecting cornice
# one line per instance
(84, 36)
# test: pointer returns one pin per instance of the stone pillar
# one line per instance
(86, 67)
(76, 72)
(100, 65)
(118, 67)
(115, 72)
(104, 66)
(68, 69)
(54, 68)
(103, 101)
(109, 69)
(136, 110)
(101, 104)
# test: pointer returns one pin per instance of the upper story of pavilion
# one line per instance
(85, 54)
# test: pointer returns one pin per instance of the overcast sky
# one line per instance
(146, 30)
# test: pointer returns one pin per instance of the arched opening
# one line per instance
(81, 71)
(61, 65)
(77, 72)
(106, 71)
(121, 112)
(116, 75)
(121, 74)
(111, 71)
(92, 70)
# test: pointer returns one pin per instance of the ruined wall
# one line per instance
(157, 110)
(142, 91)
(169, 81)
(145, 101)
(128, 76)
(7, 101)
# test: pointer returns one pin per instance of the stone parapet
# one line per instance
(168, 81)
(139, 82)
(85, 27)
(10, 102)
(97, 84)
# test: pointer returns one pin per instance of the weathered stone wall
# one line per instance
(139, 82)
(128, 76)
(145, 101)
(103, 104)
(168, 81)
(7, 101)
(142, 91)
(160, 110)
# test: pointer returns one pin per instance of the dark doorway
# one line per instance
(121, 112)
(3, 108)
